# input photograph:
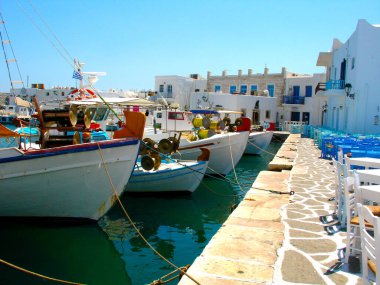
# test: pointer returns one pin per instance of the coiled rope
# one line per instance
(133, 224)
(39, 275)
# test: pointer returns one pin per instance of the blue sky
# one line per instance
(135, 40)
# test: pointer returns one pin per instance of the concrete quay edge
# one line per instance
(244, 250)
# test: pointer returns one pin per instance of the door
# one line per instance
(343, 70)
(256, 117)
(306, 117)
(296, 91)
(295, 116)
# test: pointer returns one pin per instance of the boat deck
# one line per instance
(275, 238)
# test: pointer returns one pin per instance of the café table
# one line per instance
(370, 193)
(369, 175)
(367, 162)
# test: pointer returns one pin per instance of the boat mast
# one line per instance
(5, 42)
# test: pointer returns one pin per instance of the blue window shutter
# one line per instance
(271, 90)
(296, 91)
(232, 89)
(309, 91)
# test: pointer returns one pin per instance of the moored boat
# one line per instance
(226, 148)
(170, 176)
(66, 178)
(258, 142)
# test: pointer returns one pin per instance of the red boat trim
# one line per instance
(32, 154)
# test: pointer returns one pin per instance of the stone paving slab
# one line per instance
(284, 159)
(244, 250)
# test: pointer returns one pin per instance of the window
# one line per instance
(63, 93)
(159, 115)
(308, 90)
(267, 114)
(100, 114)
(270, 88)
(353, 63)
(170, 88)
(233, 89)
(243, 88)
(175, 116)
(161, 88)
(217, 88)
(47, 94)
(253, 89)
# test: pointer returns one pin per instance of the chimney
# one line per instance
(266, 70)
(283, 71)
(250, 71)
(208, 74)
(224, 73)
(240, 72)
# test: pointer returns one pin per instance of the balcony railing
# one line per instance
(293, 100)
(335, 84)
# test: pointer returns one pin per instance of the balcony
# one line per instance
(293, 100)
(335, 84)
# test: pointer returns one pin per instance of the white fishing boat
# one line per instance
(170, 176)
(226, 148)
(258, 142)
(66, 178)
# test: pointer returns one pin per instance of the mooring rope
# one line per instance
(263, 150)
(233, 164)
(133, 224)
(220, 176)
(39, 275)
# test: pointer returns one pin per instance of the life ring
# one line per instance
(83, 93)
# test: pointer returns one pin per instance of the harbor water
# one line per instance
(110, 251)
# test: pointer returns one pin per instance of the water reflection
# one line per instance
(74, 253)
(176, 226)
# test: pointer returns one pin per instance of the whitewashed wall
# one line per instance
(361, 114)
(245, 103)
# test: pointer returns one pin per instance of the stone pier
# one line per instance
(276, 238)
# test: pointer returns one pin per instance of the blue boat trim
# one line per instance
(71, 149)
(205, 112)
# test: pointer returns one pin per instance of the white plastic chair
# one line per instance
(370, 244)
(340, 207)
(350, 197)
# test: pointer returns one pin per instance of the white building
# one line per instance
(178, 89)
(259, 109)
(299, 102)
(351, 92)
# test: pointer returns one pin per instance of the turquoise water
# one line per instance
(110, 252)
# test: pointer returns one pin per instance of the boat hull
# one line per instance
(185, 177)
(65, 182)
(225, 151)
(258, 142)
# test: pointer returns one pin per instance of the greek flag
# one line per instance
(77, 75)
